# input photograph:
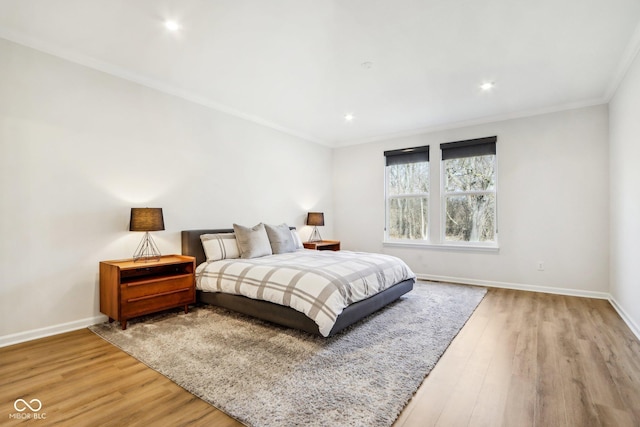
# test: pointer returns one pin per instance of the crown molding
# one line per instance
(631, 51)
(125, 74)
(629, 55)
(475, 122)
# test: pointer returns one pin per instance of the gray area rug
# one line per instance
(266, 375)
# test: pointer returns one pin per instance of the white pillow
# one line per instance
(220, 246)
(253, 242)
(297, 241)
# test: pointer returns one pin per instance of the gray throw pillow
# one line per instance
(252, 242)
(280, 238)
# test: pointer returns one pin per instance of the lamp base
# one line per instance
(315, 235)
(147, 250)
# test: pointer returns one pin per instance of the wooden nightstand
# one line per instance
(129, 289)
(323, 245)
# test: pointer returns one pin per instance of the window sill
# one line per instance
(443, 246)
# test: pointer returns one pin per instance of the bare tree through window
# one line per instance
(407, 193)
(466, 193)
(470, 198)
(408, 201)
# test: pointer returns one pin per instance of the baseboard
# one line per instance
(627, 319)
(560, 291)
(21, 337)
(517, 286)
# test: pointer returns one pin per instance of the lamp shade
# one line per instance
(146, 219)
(315, 218)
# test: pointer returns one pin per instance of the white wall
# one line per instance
(625, 197)
(79, 148)
(552, 204)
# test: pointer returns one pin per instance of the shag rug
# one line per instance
(265, 375)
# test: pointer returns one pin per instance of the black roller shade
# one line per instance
(469, 148)
(407, 155)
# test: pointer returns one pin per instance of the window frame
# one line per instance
(436, 197)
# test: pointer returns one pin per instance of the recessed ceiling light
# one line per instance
(171, 25)
(349, 117)
(487, 85)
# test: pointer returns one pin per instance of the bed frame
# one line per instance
(285, 316)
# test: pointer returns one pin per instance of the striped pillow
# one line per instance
(220, 246)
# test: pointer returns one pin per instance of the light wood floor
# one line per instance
(522, 359)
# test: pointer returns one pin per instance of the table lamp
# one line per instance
(146, 219)
(315, 219)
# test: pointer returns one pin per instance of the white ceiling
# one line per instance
(296, 65)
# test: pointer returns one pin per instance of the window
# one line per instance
(407, 194)
(469, 191)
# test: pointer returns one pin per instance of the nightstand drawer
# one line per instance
(134, 306)
(143, 288)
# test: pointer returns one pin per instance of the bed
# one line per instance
(281, 314)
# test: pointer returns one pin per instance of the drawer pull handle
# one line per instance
(158, 295)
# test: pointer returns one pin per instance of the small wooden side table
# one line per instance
(130, 289)
(323, 245)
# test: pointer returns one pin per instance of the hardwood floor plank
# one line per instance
(438, 387)
(461, 404)
(597, 377)
(493, 394)
(614, 417)
(550, 404)
(620, 350)
(522, 359)
(519, 408)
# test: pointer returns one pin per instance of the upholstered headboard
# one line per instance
(192, 245)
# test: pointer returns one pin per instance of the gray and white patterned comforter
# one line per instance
(319, 284)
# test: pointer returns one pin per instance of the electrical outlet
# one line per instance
(540, 266)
